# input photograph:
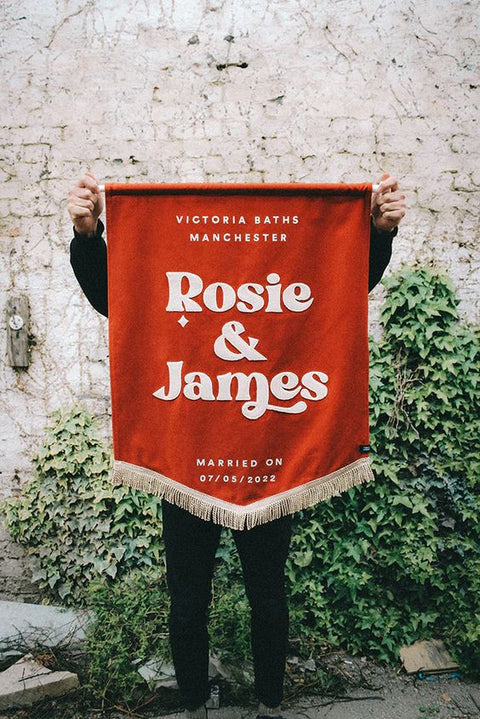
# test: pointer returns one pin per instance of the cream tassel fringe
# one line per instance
(236, 516)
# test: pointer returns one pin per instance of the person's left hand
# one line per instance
(388, 204)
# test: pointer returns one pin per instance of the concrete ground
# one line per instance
(370, 691)
(398, 697)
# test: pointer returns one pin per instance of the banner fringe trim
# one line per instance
(237, 516)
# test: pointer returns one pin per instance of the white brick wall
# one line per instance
(133, 91)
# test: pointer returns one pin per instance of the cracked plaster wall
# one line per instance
(217, 90)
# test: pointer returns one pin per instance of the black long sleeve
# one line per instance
(380, 254)
(88, 257)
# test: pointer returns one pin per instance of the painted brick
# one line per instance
(126, 91)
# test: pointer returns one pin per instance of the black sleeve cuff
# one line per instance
(382, 234)
(98, 233)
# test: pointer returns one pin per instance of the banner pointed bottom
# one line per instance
(236, 516)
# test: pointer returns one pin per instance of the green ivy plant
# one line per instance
(399, 559)
(130, 627)
(383, 565)
(75, 525)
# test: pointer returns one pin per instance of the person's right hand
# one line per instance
(85, 205)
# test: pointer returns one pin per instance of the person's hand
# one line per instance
(388, 204)
(85, 205)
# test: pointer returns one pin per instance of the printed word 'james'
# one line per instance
(254, 390)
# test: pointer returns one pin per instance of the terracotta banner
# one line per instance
(238, 344)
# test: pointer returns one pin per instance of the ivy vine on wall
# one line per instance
(383, 565)
(74, 524)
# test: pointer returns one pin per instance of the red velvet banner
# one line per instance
(238, 344)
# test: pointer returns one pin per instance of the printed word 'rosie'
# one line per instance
(248, 297)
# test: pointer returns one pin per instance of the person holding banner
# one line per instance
(191, 541)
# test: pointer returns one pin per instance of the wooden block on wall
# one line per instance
(18, 320)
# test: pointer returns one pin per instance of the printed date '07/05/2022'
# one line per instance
(237, 479)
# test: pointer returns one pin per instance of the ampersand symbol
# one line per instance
(231, 332)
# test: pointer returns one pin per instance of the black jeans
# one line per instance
(190, 547)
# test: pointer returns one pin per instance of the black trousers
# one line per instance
(190, 547)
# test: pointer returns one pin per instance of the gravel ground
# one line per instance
(366, 691)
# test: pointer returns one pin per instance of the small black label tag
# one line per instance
(364, 448)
